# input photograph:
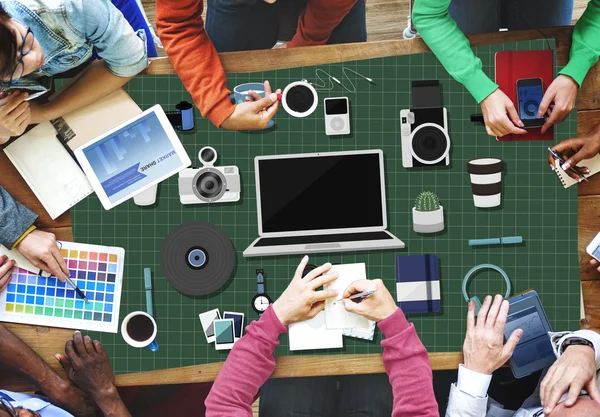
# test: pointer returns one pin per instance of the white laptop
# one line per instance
(321, 202)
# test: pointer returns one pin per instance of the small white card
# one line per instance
(336, 315)
(313, 334)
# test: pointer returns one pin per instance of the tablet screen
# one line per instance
(132, 157)
(535, 342)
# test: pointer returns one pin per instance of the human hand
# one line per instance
(500, 116)
(575, 150)
(484, 350)
(6, 268)
(15, 114)
(253, 115)
(558, 101)
(376, 307)
(573, 371)
(254, 96)
(41, 250)
(300, 301)
(88, 367)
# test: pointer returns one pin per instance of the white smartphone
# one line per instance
(594, 248)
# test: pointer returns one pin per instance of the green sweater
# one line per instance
(449, 44)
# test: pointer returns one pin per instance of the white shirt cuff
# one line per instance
(473, 383)
(589, 335)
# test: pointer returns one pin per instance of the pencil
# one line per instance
(77, 290)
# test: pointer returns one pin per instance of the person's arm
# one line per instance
(123, 55)
(451, 47)
(86, 364)
(484, 351)
(318, 19)
(248, 366)
(404, 356)
(575, 369)
(407, 365)
(251, 360)
(16, 220)
(468, 396)
(18, 356)
(585, 47)
(193, 56)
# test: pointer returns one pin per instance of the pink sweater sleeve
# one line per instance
(248, 366)
(407, 365)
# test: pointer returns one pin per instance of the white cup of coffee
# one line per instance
(138, 329)
(486, 181)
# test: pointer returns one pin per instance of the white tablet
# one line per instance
(132, 157)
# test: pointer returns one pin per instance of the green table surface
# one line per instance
(534, 205)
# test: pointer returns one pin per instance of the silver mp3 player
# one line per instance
(337, 116)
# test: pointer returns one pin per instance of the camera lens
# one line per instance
(209, 185)
(300, 98)
(404, 120)
(429, 143)
(207, 155)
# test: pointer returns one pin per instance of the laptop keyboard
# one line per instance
(305, 240)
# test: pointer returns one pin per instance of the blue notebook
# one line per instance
(418, 284)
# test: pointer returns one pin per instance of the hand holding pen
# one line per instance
(576, 150)
(376, 301)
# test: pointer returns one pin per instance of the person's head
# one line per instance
(583, 407)
(15, 36)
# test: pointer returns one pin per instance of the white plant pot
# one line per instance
(428, 221)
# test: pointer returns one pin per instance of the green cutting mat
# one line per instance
(534, 206)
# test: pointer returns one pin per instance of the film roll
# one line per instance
(197, 258)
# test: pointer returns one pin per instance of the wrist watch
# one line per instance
(261, 301)
(576, 341)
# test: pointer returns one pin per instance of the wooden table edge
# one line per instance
(287, 366)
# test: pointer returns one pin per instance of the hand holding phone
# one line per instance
(530, 92)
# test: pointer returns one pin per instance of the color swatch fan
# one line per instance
(95, 270)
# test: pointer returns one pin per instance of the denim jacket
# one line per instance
(68, 31)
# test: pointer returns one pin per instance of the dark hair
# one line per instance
(8, 44)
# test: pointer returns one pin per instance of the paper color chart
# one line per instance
(96, 270)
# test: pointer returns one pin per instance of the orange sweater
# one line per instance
(195, 59)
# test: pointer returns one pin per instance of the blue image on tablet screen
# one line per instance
(530, 97)
(132, 157)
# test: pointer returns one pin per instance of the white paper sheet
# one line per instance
(336, 315)
(313, 334)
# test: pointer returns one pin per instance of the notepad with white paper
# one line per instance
(592, 164)
(335, 314)
(48, 169)
(314, 334)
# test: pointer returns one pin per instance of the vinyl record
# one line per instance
(197, 258)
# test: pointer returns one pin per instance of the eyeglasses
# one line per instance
(8, 407)
(26, 47)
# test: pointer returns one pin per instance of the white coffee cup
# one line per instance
(486, 181)
(131, 341)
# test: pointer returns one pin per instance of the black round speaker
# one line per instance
(197, 258)
(429, 143)
(300, 98)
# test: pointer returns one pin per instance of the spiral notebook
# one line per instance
(592, 164)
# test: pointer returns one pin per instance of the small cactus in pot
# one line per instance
(428, 213)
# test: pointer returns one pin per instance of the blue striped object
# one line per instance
(418, 284)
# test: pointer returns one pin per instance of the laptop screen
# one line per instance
(320, 192)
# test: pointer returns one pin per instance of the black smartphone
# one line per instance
(529, 96)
